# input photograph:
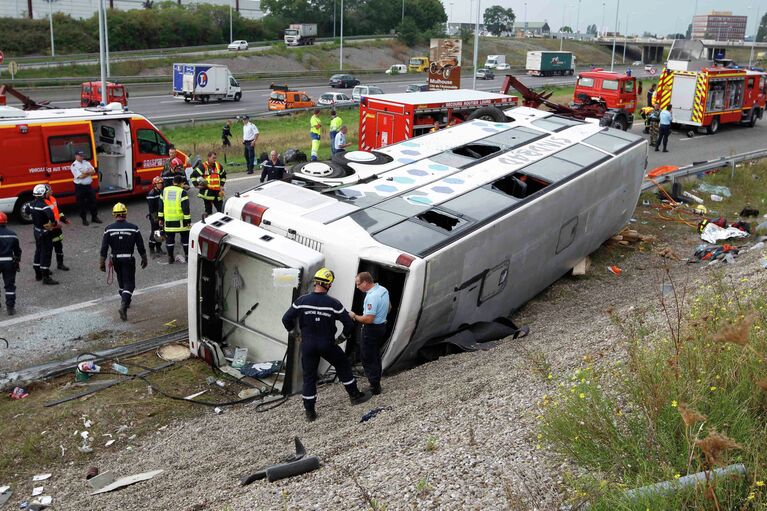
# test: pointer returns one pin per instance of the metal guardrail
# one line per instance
(223, 117)
(697, 168)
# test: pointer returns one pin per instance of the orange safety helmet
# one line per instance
(3, 218)
(157, 180)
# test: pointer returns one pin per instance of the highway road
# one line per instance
(156, 102)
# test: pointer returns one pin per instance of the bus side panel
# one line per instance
(24, 162)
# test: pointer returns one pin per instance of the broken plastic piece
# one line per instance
(19, 393)
(126, 481)
(41, 477)
(38, 490)
(99, 481)
(614, 270)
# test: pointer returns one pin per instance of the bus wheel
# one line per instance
(713, 127)
(488, 113)
(22, 209)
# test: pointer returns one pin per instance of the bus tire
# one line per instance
(713, 127)
(19, 211)
(488, 113)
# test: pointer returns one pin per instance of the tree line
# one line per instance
(167, 24)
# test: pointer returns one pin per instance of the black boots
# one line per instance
(357, 398)
(38, 274)
(96, 220)
(311, 415)
(11, 310)
(123, 311)
(375, 389)
(48, 281)
(60, 263)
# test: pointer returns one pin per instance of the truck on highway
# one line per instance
(300, 34)
(39, 146)
(389, 118)
(550, 63)
(462, 227)
(493, 61)
(90, 94)
(418, 64)
(203, 82)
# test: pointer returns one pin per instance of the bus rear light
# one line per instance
(210, 241)
(253, 213)
(405, 260)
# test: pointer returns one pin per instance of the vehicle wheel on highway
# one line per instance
(22, 209)
(570, 72)
(321, 169)
(619, 123)
(690, 133)
(488, 113)
(187, 99)
(205, 99)
(237, 96)
(713, 127)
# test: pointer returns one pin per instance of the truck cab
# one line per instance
(283, 98)
(615, 90)
(90, 94)
(418, 64)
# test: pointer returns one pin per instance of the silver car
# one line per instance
(335, 99)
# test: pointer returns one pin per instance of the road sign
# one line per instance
(652, 71)
(13, 67)
(1, 57)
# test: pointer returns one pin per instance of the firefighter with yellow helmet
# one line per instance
(121, 237)
(316, 314)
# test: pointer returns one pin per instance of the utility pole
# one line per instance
(753, 41)
(50, 23)
(625, 37)
(341, 53)
(476, 47)
(561, 37)
(578, 21)
(334, 20)
(602, 26)
(106, 40)
(615, 34)
(403, 11)
(29, 9)
(230, 21)
(102, 54)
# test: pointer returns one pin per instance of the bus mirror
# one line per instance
(253, 213)
(210, 242)
(405, 260)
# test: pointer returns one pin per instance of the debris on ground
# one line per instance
(41, 477)
(18, 393)
(582, 267)
(372, 413)
(668, 253)
(295, 464)
(716, 230)
(714, 252)
(614, 270)
(718, 190)
(5, 495)
(122, 482)
(630, 236)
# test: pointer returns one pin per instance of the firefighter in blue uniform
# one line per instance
(44, 221)
(121, 237)
(10, 255)
(317, 314)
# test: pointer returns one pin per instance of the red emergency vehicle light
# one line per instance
(253, 213)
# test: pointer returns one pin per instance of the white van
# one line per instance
(365, 90)
(397, 69)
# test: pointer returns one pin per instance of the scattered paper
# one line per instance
(41, 477)
(218, 411)
(110, 442)
(46, 500)
(37, 491)
(4, 489)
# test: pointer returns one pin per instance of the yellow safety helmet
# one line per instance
(324, 276)
(119, 209)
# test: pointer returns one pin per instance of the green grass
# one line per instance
(279, 133)
(620, 421)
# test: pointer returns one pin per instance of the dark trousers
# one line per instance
(43, 252)
(8, 271)
(154, 225)
(209, 203)
(86, 200)
(250, 156)
(170, 242)
(125, 270)
(333, 142)
(57, 238)
(665, 131)
(311, 352)
(370, 351)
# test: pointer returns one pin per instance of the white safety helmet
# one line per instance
(39, 190)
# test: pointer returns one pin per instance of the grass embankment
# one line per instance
(687, 398)
(280, 133)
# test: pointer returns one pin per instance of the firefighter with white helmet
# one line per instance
(122, 237)
(10, 255)
(153, 202)
(44, 221)
(317, 314)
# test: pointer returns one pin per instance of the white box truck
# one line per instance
(299, 34)
(493, 61)
(203, 82)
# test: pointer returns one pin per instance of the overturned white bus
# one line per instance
(461, 226)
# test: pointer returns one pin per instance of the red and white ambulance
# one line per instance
(389, 118)
(39, 146)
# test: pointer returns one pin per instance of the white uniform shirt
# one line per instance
(249, 132)
(339, 141)
(78, 167)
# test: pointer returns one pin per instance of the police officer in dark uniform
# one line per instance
(10, 255)
(317, 314)
(43, 221)
(122, 236)
(153, 199)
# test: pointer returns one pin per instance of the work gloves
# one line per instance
(144, 262)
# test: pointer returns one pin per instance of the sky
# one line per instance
(655, 16)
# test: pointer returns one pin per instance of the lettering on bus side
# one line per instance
(534, 151)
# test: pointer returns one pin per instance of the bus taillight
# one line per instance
(405, 260)
(210, 240)
(253, 213)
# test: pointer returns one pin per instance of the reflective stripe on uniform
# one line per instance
(309, 398)
(314, 307)
(6, 258)
(122, 256)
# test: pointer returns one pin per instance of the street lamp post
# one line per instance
(525, 19)
(341, 53)
(476, 47)
(626, 36)
(753, 41)
(50, 22)
(602, 26)
(578, 21)
(561, 37)
(334, 20)
(403, 11)
(102, 53)
(230, 22)
(615, 35)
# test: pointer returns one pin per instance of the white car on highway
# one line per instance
(238, 45)
(503, 66)
(335, 99)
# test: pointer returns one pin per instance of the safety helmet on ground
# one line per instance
(324, 276)
(119, 209)
(39, 190)
(157, 180)
(158, 236)
(3, 218)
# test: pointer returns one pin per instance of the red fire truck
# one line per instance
(90, 94)
(711, 96)
(39, 146)
(389, 118)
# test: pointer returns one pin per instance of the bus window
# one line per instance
(412, 237)
(480, 204)
(611, 142)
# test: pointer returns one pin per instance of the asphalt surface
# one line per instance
(81, 313)
(156, 102)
